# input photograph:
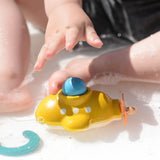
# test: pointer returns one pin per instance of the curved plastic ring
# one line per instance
(25, 149)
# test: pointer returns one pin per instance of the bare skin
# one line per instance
(15, 50)
(62, 30)
(14, 58)
(136, 61)
(65, 32)
(14, 54)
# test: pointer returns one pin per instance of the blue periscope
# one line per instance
(32, 145)
(74, 86)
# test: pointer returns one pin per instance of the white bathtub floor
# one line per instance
(139, 139)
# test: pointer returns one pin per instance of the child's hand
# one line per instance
(67, 25)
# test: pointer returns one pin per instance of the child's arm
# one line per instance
(50, 5)
(67, 25)
(140, 61)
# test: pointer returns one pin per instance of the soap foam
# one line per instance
(107, 79)
(29, 78)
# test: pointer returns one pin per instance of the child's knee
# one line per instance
(10, 79)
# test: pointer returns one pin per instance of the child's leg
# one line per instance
(14, 57)
(140, 61)
(38, 17)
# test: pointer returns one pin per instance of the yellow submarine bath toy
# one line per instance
(75, 107)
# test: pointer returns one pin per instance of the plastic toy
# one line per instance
(75, 107)
(25, 149)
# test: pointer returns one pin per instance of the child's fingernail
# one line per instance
(97, 41)
(37, 66)
(69, 46)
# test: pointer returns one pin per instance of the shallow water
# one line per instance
(138, 139)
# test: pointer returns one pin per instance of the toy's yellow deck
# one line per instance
(76, 113)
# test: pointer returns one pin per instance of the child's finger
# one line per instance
(72, 37)
(92, 38)
(41, 58)
(55, 45)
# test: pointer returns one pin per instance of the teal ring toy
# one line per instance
(32, 145)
